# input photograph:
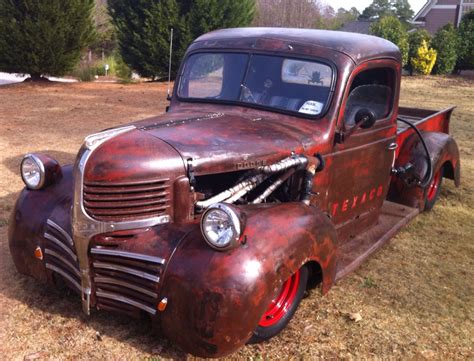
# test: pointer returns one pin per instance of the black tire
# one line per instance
(433, 189)
(263, 333)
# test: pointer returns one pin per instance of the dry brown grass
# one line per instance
(415, 296)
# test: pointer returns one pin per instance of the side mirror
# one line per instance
(364, 118)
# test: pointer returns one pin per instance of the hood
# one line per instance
(222, 142)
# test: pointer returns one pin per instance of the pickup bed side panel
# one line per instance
(444, 153)
(216, 299)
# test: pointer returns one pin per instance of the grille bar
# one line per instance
(114, 281)
(141, 257)
(60, 244)
(66, 236)
(65, 275)
(128, 270)
(120, 298)
(63, 260)
(127, 201)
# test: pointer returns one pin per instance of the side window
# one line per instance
(372, 90)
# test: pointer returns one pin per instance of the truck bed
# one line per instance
(424, 119)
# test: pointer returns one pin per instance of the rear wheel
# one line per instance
(433, 189)
(282, 307)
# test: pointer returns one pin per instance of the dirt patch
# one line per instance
(415, 297)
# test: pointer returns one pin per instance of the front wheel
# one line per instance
(433, 189)
(282, 308)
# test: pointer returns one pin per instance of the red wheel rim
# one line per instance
(433, 187)
(281, 304)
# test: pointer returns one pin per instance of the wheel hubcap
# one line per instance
(281, 304)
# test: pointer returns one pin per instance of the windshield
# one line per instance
(299, 86)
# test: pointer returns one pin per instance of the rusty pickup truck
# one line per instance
(282, 162)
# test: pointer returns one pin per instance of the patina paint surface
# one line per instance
(216, 299)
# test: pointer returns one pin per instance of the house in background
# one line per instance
(437, 13)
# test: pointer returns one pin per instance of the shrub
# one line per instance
(44, 37)
(99, 66)
(122, 71)
(466, 42)
(415, 40)
(445, 42)
(425, 59)
(391, 28)
(84, 72)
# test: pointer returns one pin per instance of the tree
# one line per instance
(143, 32)
(424, 60)
(466, 42)
(391, 28)
(288, 13)
(42, 38)
(106, 39)
(207, 15)
(378, 9)
(415, 39)
(445, 42)
(403, 10)
(144, 27)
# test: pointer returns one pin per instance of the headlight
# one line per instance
(32, 171)
(39, 171)
(221, 226)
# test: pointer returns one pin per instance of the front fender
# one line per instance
(28, 219)
(444, 153)
(216, 299)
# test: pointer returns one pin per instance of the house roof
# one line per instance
(357, 46)
(358, 26)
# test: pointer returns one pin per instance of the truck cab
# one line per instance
(282, 163)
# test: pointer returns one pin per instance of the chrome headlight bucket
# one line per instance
(222, 226)
(39, 171)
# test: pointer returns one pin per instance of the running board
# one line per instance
(353, 252)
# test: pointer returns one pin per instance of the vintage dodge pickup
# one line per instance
(283, 161)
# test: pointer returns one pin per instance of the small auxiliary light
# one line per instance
(39, 253)
(162, 305)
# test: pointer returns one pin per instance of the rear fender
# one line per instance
(216, 299)
(444, 154)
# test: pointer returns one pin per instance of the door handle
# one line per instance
(392, 146)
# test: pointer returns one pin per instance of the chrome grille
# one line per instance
(126, 281)
(127, 201)
(59, 254)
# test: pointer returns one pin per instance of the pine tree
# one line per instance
(445, 42)
(207, 15)
(143, 28)
(44, 37)
(143, 32)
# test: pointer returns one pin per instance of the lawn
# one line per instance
(415, 296)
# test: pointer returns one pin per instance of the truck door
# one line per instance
(361, 163)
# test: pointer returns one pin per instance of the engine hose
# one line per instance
(429, 174)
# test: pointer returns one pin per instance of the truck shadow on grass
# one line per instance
(58, 306)
(63, 306)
